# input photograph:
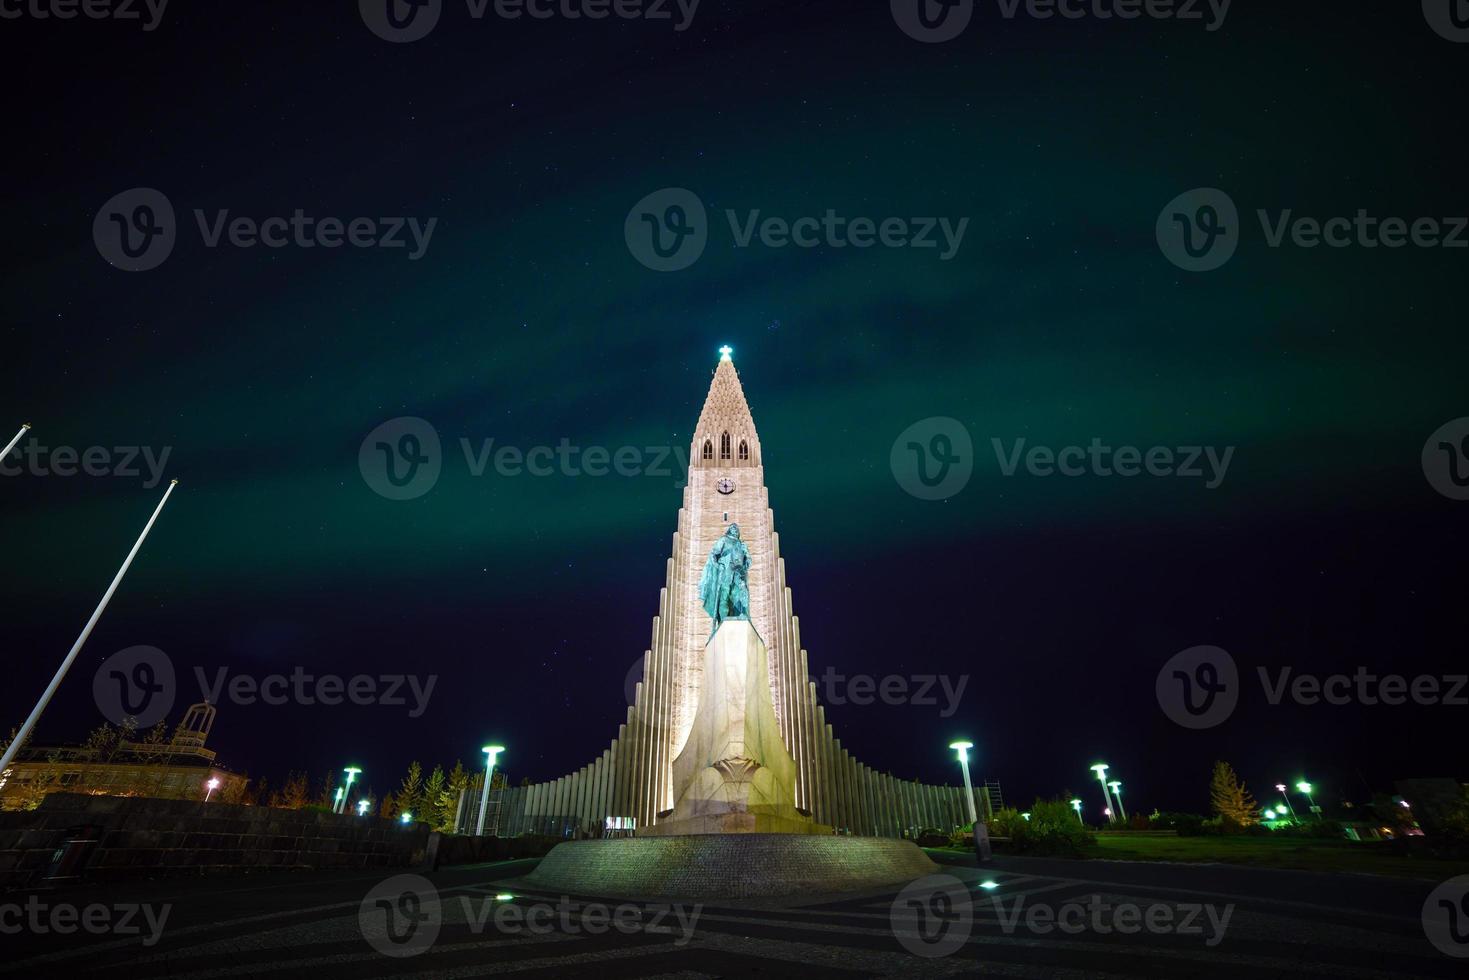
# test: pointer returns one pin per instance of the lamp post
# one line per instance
(30, 723)
(963, 749)
(1101, 770)
(1280, 787)
(490, 751)
(212, 785)
(362, 808)
(406, 818)
(1116, 785)
(1076, 805)
(11, 445)
(1305, 788)
(351, 772)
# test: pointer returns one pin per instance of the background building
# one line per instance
(113, 763)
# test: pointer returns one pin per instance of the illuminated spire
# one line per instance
(725, 426)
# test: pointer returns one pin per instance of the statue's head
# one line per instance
(733, 531)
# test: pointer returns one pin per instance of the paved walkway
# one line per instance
(1019, 918)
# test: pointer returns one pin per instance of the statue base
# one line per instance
(729, 866)
(734, 774)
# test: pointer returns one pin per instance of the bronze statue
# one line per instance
(724, 587)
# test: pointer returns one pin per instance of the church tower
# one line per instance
(631, 783)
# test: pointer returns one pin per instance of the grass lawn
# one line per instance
(1280, 852)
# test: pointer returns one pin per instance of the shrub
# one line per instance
(1052, 830)
(1186, 824)
(1004, 822)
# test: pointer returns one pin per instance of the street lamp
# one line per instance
(1076, 805)
(362, 808)
(213, 785)
(963, 749)
(1116, 785)
(484, 798)
(1280, 788)
(406, 818)
(1305, 789)
(351, 772)
(1101, 770)
(1269, 814)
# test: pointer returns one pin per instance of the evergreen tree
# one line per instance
(435, 799)
(1230, 798)
(410, 793)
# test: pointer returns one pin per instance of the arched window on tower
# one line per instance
(744, 450)
(724, 446)
(708, 449)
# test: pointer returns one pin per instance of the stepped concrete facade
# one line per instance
(634, 777)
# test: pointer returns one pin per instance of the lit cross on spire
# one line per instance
(725, 351)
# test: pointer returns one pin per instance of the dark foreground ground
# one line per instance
(1116, 920)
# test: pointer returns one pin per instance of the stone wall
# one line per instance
(137, 837)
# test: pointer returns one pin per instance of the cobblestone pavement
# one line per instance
(1019, 918)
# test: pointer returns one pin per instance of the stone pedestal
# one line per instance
(728, 866)
(734, 775)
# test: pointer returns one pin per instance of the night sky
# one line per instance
(528, 320)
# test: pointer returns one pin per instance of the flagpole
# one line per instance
(30, 723)
(23, 429)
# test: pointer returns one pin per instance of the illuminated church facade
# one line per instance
(630, 784)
